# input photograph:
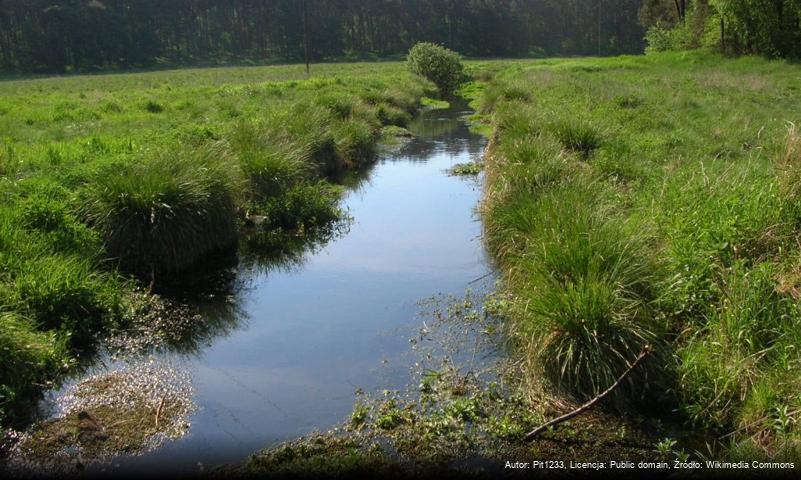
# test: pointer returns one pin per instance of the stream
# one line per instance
(297, 337)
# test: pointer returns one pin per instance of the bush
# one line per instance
(165, 213)
(438, 64)
(659, 39)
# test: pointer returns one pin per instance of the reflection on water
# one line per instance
(292, 333)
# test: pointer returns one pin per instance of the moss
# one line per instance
(321, 456)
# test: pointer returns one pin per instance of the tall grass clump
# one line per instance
(304, 206)
(67, 294)
(587, 283)
(29, 358)
(355, 142)
(744, 339)
(307, 128)
(437, 64)
(270, 163)
(165, 213)
(576, 135)
(48, 214)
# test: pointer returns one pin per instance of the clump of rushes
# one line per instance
(165, 213)
(355, 142)
(67, 293)
(576, 135)
(269, 163)
(304, 206)
(587, 283)
(306, 127)
(503, 92)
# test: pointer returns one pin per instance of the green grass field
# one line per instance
(112, 182)
(654, 200)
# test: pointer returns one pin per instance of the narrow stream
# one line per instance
(300, 337)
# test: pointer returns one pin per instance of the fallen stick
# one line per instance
(480, 278)
(158, 410)
(556, 421)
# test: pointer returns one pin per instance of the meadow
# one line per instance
(111, 184)
(654, 201)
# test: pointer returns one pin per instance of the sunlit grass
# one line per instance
(654, 200)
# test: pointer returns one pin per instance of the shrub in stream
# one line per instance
(438, 64)
(167, 211)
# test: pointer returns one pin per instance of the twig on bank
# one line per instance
(556, 421)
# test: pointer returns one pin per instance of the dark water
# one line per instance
(301, 336)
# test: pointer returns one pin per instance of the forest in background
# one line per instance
(58, 36)
(770, 28)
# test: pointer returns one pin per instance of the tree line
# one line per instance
(763, 27)
(55, 36)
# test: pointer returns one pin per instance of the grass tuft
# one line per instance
(166, 212)
(575, 135)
